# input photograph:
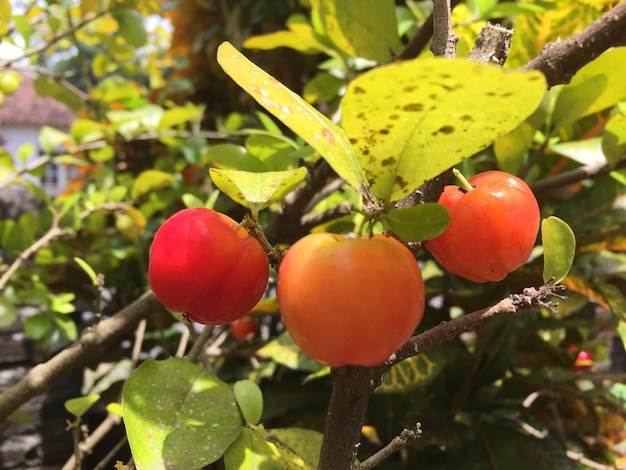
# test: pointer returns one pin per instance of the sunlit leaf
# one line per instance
(177, 415)
(438, 112)
(251, 451)
(50, 138)
(8, 313)
(150, 180)
(257, 190)
(88, 269)
(299, 36)
(559, 247)
(361, 28)
(614, 139)
(304, 120)
(299, 447)
(79, 406)
(284, 351)
(585, 152)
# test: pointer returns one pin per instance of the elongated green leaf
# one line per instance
(614, 139)
(585, 152)
(300, 36)
(151, 180)
(251, 451)
(177, 415)
(79, 406)
(361, 28)
(418, 223)
(250, 400)
(88, 269)
(50, 138)
(559, 246)
(437, 113)
(316, 129)
(257, 190)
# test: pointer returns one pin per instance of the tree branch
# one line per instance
(406, 438)
(559, 61)
(595, 170)
(444, 40)
(92, 344)
(446, 331)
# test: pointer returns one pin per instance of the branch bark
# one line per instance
(559, 61)
(92, 344)
(444, 40)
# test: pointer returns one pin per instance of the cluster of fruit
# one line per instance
(9, 83)
(335, 292)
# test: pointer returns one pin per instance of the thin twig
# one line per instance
(406, 438)
(595, 170)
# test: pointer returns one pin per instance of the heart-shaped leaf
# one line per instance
(409, 121)
(559, 246)
(418, 223)
(316, 129)
(177, 415)
(257, 190)
(250, 400)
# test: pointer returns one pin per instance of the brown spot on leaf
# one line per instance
(328, 135)
(358, 90)
(444, 130)
(394, 117)
(413, 107)
(353, 140)
(410, 88)
(384, 131)
(400, 181)
(388, 161)
(466, 118)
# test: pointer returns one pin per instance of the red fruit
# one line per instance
(350, 301)
(492, 228)
(583, 362)
(202, 265)
(245, 328)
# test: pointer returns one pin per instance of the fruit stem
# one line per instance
(274, 254)
(466, 184)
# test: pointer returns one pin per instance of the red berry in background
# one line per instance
(583, 362)
(245, 328)
(203, 266)
(350, 301)
(492, 228)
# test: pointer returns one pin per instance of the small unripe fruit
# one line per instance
(10, 82)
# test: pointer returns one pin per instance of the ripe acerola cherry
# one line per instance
(492, 227)
(583, 362)
(350, 301)
(203, 265)
(244, 328)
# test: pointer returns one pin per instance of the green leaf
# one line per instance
(257, 190)
(597, 86)
(62, 303)
(250, 400)
(418, 223)
(37, 325)
(300, 37)
(559, 246)
(614, 139)
(50, 139)
(151, 180)
(66, 326)
(299, 447)
(317, 130)
(192, 201)
(88, 269)
(322, 87)
(180, 115)
(614, 297)
(5, 16)
(233, 157)
(86, 130)
(284, 351)
(177, 415)
(511, 148)
(437, 113)
(45, 87)
(361, 28)
(130, 27)
(412, 373)
(79, 406)
(25, 151)
(585, 152)
(252, 452)
(8, 313)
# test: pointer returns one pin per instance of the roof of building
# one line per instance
(26, 107)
